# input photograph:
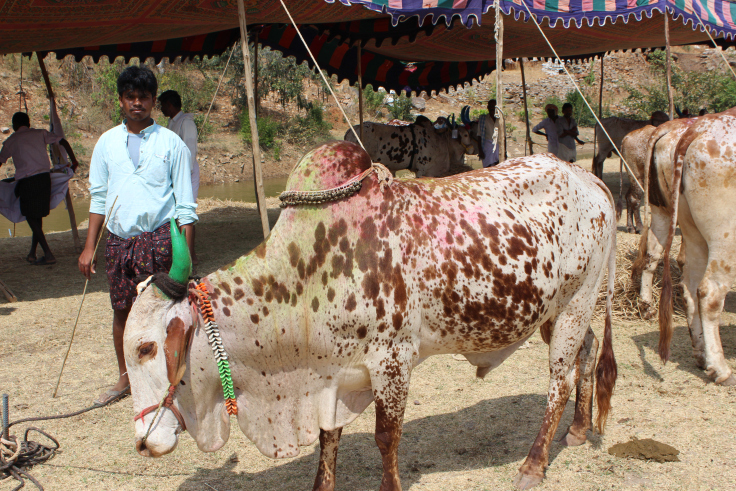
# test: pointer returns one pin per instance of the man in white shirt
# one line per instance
(549, 125)
(183, 125)
(567, 133)
(27, 147)
(488, 125)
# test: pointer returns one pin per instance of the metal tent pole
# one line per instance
(669, 69)
(258, 172)
(526, 111)
(68, 197)
(499, 82)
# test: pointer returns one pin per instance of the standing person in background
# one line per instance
(183, 125)
(488, 123)
(27, 147)
(567, 132)
(549, 125)
(144, 169)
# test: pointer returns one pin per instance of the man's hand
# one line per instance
(87, 262)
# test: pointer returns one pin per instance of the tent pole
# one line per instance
(360, 88)
(669, 61)
(68, 197)
(255, 76)
(600, 109)
(207, 116)
(526, 111)
(258, 172)
(499, 82)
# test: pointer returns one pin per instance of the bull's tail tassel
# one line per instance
(213, 336)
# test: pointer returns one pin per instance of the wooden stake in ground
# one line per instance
(255, 74)
(9, 296)
(84, 294)
(499, 83)
(68, 197)
(360, 88)
(526, 111)
(668, 63)
(258, 173)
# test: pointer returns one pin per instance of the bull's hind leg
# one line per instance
(328, 444)
(390, 384)
(656, 236)
(584, 367)
(567, 338)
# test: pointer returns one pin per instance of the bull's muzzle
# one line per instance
(148, 448)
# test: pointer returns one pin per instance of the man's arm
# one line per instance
(70, 153)
(86, 259)
(189, 135)
(181, 180)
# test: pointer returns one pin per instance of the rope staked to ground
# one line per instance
(536, 23)
(17, 457)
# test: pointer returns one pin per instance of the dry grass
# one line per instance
(626, 304)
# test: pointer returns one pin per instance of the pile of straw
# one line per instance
(626, 292)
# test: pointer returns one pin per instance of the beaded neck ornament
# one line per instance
(202, 298)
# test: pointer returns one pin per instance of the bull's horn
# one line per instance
(464, 114)
(181, 262)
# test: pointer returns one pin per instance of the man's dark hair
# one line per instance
(566, 105)
(139, 79)
(21, 119)
(170, 96)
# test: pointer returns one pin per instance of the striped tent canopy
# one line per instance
(422, 44)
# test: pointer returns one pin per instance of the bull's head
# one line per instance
(159, 341)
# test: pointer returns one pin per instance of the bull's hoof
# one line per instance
(527, 481)
(699, 360)
(649, 313)
(631, 230)
(571, 440)
(728, 382)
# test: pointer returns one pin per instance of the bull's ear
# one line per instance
(176, 345)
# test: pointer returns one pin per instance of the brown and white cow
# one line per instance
(618, 129)
(421, 148)
(693, 167)
(344, 298)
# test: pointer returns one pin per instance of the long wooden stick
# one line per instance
(9, 295)
(218, 86)
(68, 197)
(669, 70)
(258, 174)
(84, 294)
(257, 94)
(499, 82)
(360, 88)
(526, 111)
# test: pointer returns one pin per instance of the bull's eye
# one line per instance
(147, 350)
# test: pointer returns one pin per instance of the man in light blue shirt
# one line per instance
(144, 169)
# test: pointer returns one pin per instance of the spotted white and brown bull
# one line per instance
(424, 150)
(691, 165)
(344, 298)
(617, 129)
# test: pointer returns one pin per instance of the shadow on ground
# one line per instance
(491, 433)
(681, 351)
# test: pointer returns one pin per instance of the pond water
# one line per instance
(58, 219)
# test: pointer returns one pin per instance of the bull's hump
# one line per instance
(328, 166)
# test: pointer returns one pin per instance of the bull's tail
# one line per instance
(606, 371)
(665, 298)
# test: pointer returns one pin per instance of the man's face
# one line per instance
(492, 107)
(551, 113)
(567, 112)
(168, 109)
(137, 105)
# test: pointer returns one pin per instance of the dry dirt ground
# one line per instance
(461, 433)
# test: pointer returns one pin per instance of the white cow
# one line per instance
(345, 297)
(693, 168)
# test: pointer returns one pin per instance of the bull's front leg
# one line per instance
(328, 444)
(390, 382)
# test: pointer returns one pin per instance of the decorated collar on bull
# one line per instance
(176, 284)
